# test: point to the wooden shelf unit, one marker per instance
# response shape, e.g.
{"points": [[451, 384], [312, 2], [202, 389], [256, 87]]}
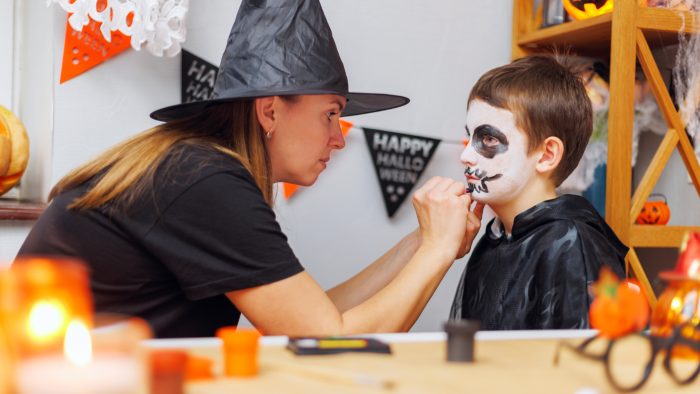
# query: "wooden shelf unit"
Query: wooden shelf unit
{"points": [[629, 33]]}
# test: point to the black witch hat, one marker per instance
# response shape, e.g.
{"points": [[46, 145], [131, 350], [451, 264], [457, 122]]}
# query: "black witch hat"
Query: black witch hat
{"points": [[282, 47]]}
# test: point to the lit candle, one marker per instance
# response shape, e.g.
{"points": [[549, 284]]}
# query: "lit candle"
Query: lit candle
{"points": [[77, 371]]}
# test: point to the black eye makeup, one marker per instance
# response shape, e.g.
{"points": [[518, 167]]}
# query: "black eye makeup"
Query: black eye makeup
{"points": [[488, 141]]}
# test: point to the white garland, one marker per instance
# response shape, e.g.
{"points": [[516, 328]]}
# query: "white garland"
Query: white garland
{"points": [[159, 25]]}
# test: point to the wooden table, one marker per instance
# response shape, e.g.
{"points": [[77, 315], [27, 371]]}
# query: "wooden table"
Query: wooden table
{"points": [[507, 362]]}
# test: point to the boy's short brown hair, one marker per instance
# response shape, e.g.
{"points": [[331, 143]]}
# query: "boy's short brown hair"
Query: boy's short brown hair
{"points": [[546, 99]]}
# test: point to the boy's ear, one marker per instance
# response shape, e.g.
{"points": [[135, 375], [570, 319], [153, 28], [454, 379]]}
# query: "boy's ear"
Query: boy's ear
{"points": [[265, 111], [552, 153]]}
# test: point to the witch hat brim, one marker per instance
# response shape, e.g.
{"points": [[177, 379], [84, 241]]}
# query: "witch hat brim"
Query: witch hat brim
{"points": [[358, 104], [278, 48]]}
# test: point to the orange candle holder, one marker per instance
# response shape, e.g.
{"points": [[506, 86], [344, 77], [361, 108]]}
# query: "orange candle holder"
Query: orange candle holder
{"points": [[240, 348], [167, 371], [679, 303], [56, 344], [40, 298]]}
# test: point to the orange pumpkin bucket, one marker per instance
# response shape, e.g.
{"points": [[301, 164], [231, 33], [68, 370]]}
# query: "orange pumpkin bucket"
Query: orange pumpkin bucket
{"points": [[583, 9], [655, 212]]}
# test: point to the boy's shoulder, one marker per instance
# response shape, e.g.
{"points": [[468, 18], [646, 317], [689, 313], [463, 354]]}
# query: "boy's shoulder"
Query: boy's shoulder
{"points": [[561, 228], [567, 229]]}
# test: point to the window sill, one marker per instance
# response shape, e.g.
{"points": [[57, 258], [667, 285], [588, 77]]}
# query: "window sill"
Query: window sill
{"points": [[20, 210]]}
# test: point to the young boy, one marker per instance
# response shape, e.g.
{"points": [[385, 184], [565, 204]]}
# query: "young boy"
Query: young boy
{"points": [[528, 124]]}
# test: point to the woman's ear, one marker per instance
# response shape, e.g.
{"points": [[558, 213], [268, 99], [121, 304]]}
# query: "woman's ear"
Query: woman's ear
{"points": [[552, 153], [265, 111]]}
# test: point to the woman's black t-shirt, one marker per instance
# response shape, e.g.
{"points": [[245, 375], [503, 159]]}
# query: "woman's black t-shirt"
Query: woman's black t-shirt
{"points": [[204, 230]]}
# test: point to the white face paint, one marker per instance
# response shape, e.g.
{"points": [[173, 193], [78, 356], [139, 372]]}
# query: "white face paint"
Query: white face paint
{"points": [[497, 165]]}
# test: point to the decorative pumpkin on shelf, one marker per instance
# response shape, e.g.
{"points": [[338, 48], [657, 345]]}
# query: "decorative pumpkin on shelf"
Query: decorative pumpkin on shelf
{"points": [[680, 302], [584, 9], [655, 212], [5, 147], [14, 150]]}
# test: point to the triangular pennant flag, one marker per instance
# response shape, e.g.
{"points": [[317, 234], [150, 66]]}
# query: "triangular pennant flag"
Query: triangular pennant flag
{"points": [[289, 190], [83, 50], [197, 78], [345, 127], [399, 160]]}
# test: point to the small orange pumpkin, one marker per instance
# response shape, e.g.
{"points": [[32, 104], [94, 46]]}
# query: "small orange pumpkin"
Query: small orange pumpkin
{"points": [[583, 9], [619, 308], [655, 212]]}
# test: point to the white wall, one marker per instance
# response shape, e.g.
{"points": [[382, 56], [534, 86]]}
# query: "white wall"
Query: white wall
{"points": [[431, 51]]}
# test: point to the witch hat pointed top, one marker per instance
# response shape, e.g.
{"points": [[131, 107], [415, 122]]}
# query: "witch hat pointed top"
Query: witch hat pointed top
{"points": [[282, 47]]}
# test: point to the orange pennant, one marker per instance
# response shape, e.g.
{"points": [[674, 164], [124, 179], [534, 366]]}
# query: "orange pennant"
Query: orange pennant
{"points": [[289, 189], [86, 49], [345, 126]]}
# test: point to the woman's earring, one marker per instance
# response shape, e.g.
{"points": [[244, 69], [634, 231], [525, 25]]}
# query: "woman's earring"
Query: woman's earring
{"points": [[268, 134]]}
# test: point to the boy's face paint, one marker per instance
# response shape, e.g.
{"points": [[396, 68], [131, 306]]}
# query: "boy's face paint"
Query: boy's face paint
{"points": [[496, 160]]}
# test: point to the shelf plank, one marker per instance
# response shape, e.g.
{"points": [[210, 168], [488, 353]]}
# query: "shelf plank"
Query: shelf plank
{"points": [[584, 36], [651, 236], [592, 36], [20, 210], [669, 21]]}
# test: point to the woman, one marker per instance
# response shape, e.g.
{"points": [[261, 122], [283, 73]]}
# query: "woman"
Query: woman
{"points": [[176, 223]]}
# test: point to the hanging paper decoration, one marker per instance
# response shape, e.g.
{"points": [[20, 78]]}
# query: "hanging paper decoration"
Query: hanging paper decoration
{"points": [[290, 188], [86, 49], [197, 78], [399, 160], [159, 25]]}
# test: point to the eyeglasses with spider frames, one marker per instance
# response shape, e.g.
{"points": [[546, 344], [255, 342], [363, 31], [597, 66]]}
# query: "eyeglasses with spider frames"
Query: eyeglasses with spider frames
{"points": [[626, 366]]}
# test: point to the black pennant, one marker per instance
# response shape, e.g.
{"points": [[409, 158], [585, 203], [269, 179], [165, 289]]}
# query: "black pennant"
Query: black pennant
{"points": [[197, 78], [399, 160]]}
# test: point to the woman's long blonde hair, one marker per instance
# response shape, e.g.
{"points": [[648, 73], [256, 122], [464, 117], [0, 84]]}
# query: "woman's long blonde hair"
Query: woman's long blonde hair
{"points": [[126, 171]]}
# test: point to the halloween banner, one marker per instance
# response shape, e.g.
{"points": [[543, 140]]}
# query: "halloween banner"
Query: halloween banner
{"points": [[399, 160], [197, 77]]}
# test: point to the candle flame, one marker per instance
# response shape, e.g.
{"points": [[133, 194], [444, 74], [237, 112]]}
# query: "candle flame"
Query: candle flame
{"points": [[676, 304], [46, 320], [77, 346]]}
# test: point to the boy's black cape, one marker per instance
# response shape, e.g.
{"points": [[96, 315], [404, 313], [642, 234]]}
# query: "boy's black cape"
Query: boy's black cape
{"points": [[538, 278]]}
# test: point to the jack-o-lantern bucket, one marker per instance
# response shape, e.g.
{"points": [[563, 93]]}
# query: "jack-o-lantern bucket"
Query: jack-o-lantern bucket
{"points": [[583, 9], [655, 211]]}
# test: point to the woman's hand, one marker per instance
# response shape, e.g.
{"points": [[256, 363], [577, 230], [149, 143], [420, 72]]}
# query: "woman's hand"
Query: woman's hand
{"points": [[442, 208]]}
